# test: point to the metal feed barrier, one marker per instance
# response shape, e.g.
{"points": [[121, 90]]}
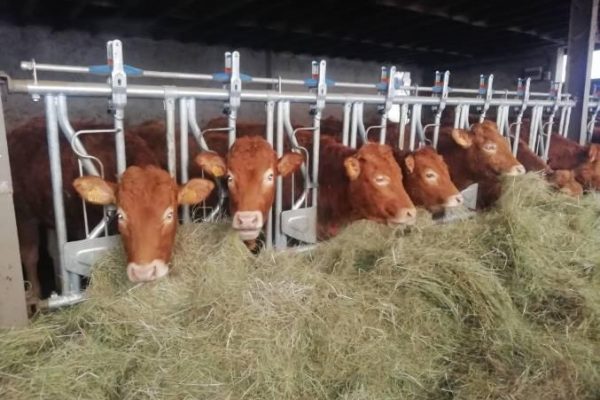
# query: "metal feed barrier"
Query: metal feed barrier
{"points": [[299, 221]]}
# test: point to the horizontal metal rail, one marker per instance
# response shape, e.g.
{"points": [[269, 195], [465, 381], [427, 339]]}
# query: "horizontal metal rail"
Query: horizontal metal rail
{"points": [[158, 92]]}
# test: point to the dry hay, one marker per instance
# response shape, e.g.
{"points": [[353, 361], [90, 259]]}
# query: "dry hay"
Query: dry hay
{"points": [[502, 306]]}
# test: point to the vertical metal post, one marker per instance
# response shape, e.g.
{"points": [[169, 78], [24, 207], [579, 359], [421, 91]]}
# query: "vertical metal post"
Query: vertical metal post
{"points": [[524, 92], [235, 91], [13, 312], [413, 126], [582, 32], [488, 98], [457, 116], [118, 82], [402, 125], [170, 117], [270, 114], [184, 152], [57, 191], [346, 128], [441, 107], [280, 240], [319, 106], [354, 125]]}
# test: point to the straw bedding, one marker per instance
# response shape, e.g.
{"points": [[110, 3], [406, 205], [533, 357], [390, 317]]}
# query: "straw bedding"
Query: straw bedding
{"points": [[502, 306]]}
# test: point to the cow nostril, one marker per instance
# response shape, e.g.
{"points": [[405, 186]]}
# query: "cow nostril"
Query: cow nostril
{"points": [[410, 213], [459, 199]]}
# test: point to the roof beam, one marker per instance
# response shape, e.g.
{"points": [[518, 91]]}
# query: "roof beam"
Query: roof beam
{"points": [[463, 19]]}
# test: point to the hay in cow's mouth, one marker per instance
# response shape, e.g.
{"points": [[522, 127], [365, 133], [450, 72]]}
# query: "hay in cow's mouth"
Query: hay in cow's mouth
{"points": [[502, 306]]}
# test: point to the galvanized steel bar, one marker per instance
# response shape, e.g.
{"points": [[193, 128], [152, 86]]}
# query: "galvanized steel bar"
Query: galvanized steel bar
{"points": [[184, 152], [346, 126], [270, 120], [170, 118], [68, 284]]}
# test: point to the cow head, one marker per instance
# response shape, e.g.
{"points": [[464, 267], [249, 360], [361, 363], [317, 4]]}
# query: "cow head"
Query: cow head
{"points": [[564, 181], [146, 200], [376, 191], [427, 180], [588, 172], [487, 153], [251, 167]]}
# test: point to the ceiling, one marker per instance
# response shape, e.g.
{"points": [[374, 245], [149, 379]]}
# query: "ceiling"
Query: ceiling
{"points": [[411, 32]]}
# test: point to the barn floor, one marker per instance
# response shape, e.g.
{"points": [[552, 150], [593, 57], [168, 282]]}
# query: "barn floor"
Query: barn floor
{"points": [[502, 306]]}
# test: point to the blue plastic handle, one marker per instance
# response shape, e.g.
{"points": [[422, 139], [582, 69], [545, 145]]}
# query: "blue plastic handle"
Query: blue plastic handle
{"points": [[312, 83], [225, 77], [107, 69]]}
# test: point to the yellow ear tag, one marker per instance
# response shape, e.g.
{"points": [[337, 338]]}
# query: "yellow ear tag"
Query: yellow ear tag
{"points": [[217, 171], [96, 195], [188, 196]]}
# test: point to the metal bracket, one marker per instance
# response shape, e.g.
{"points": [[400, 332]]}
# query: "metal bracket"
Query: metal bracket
{"points": [[300, 224], [488, 96], [118, 78], [81, 255], [470, 196]]}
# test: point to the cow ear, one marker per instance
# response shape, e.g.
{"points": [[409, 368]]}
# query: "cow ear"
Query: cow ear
{"points": [[194, 191], [462, 138], [96, 190], [409, 162], [593, 153], [211, 163], [352, 166], [289, 163]]}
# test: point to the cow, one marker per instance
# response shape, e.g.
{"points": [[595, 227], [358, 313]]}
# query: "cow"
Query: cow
{"points": [[251, 166], [34, 211], [147, 199], [477, 154], [427, 179], [563, 180], [583, 160]]}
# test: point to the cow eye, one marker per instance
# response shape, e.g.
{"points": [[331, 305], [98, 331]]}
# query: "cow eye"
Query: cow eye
{"points": [[121, 215], [430, 175], [490, 147], [269, 176], [168, 217], [230, 178], [382, 180]]}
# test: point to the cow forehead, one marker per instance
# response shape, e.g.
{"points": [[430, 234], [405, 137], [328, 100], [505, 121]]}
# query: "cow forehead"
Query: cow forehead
{"points": [[428, 158], [147, 188], [251, 154], [487, 131]]}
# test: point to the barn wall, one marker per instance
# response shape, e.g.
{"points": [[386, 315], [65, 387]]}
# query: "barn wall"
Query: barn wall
{"points": [[79, 48], [505, 70]]}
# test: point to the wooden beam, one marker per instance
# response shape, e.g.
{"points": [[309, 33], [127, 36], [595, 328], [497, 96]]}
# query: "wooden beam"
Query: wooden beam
{"points": [[13, 312]]}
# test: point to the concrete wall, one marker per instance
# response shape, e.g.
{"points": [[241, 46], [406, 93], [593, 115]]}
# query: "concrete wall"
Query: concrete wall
{"points": [[506, 70], [79, 48]]}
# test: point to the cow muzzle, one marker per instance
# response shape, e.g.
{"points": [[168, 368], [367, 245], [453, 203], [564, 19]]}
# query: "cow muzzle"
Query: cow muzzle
{"points": [[516, 170], [454, 201], [248, 224], [147, 272], [406, 216]]}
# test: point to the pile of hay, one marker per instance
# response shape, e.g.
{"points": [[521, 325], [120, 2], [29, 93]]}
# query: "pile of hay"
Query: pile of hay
{"points": [[502, 306]]}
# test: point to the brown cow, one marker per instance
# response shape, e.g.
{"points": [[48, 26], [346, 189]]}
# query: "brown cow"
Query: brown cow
{"points": [[427, 179], [32, 185], [583, 160], [147, 200], [364, 183], [477, 155], [251, 166]]}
